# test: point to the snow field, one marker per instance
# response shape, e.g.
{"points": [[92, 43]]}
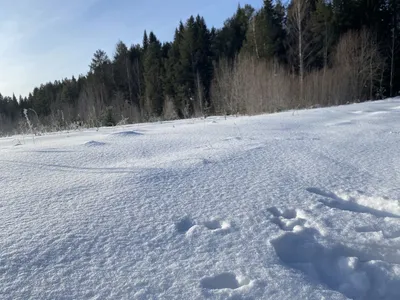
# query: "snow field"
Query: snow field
{"points": [[295, 205]]}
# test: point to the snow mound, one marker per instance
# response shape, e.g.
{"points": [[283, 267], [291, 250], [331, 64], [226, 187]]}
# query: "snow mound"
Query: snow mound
{"points": [[129, 133], [94, 144]]}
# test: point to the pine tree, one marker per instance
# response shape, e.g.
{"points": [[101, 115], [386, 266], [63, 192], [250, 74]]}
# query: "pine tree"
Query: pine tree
{"points": [[152, 77], [173, 83], [99, 61], [185, 72], [394, 48], [265, 34], [230, 39], [136, 54], [323, 35], [145, 41], [100, 78], [202, 64], [122, 72], [345, 15]]}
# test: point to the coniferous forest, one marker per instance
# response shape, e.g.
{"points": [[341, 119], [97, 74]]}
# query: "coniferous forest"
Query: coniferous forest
{"points": [[302, 54]]}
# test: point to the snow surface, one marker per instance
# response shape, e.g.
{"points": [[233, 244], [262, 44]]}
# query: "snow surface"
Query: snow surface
{"points": [[295, 205]]}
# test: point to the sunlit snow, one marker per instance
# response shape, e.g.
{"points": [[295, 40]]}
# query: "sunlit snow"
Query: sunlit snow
{"points": [[295, 205]]}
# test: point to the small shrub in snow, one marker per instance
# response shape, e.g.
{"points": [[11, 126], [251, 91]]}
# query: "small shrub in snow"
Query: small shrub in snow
{"points": [[108, 118], [123, 121], [169, 110]]}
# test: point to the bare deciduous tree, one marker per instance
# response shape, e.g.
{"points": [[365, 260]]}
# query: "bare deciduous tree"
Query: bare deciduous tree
{"points": [[251, 86], [298, 17], [358, 58]]}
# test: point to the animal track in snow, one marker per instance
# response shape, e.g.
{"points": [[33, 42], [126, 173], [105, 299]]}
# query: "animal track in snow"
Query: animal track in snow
{"points": [[378, 207], [224, 281], [336, 267], [356, 273], [217, 225], [184, 225], [390, 232], [287, 214], [287, 220], [359, 271]]}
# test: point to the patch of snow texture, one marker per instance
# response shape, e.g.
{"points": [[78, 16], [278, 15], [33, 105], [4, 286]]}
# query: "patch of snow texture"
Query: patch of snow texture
{"points": [[300, 205]]}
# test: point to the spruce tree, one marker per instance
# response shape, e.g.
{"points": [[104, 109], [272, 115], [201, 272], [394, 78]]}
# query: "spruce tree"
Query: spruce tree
{"points": [[229, 40], [173, 83], [154, 98], [324, 37], [145, 41], [122, 73], [136, 55]]}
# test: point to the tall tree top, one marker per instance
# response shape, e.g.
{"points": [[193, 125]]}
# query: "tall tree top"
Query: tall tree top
{"points": [[145, 40], [99, 59]]}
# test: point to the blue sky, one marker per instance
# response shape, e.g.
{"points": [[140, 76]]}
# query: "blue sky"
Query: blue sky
{"points": [[45, 40]]}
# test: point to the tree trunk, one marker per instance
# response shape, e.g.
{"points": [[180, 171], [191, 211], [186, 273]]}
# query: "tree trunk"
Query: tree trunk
{"points": [[254, 37], [128, 74], [199, 88]]}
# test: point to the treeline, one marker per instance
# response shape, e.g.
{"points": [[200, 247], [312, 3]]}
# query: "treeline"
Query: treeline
{"points": [[309, 52]]}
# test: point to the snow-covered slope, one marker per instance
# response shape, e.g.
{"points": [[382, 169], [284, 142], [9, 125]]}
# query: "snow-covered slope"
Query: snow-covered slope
{"points": [[295, 205]]}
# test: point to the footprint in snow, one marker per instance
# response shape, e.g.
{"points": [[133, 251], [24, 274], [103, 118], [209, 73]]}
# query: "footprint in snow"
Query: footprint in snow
{"points": [[357, 273], [217, 225], [286, 220], [358, 204], [386, 229], [184, 225], [224, 281], [338, 267]]}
